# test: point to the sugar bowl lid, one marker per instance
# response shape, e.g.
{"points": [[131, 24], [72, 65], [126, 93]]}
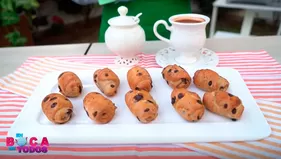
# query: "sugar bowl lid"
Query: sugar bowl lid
{"points": [[123, 19]]}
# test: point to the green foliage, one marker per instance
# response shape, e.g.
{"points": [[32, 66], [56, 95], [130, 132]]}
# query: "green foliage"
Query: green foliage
{"points": [[27, 4], [9, 16], [16, 39]]}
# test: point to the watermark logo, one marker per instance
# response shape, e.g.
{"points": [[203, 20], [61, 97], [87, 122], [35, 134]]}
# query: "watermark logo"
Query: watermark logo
{"points": [[25, 145]]}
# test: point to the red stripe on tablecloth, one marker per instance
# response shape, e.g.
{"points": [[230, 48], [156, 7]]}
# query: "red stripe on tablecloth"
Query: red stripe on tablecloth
{"points": [[10, 110]]}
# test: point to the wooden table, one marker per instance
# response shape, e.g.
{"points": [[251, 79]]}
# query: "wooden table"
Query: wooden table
{"points": [[12, 58]]}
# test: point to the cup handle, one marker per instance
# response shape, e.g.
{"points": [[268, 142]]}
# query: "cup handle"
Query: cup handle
{"points": [[157, 34]]}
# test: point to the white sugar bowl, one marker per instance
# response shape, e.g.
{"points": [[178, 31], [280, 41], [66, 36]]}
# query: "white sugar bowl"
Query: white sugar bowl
{"points": [[125, 37]]}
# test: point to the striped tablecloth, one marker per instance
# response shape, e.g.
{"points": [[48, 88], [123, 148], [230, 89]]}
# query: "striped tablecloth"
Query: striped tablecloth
{"points": [[260, 71]]}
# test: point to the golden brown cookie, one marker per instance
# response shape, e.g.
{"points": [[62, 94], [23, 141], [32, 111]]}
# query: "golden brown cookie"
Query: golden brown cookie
{"points": [[57, 108], [208, 80], [139, 79], [187, 104], [107, 81], [69, 84], [176, 76], [224, 104], [99, 108], [142, 105]]}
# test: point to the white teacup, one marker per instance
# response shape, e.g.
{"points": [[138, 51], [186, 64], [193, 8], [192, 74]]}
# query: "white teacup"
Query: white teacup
{"points": [[188, 35]]}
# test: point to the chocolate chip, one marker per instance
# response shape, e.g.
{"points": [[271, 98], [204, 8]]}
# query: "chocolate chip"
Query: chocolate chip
{"points": [[87, 113], [53, 98], [230, 95], [46, 98], [95, 114], [59, 88], [138, 118], [199, 101], [95, 76], [103, 114], [167, 82], [163, 75], [61, 74], [80, 89], [233, 111], [176, 71], [53, 105], [150, 101], [146, 110], [173, 100], [66, 99], [221, 88], [225, 106], [138, 97], [210, 83], [184, 80], [112, 86], [69, 111], [106, 74], [139, 74], [151, 85], [198, 117], [180, 95], [137, 88], [95, 81], [170, 70], [115, 92], [233, 119]]}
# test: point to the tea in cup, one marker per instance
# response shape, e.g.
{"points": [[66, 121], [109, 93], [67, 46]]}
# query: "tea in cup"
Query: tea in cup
{"points": [[188, 35]]}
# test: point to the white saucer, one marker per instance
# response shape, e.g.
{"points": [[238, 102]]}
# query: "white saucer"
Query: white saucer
{"points": [[207, 58]]}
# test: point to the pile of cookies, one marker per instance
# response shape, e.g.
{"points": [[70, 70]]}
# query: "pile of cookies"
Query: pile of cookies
{"points": [[99, 108]]}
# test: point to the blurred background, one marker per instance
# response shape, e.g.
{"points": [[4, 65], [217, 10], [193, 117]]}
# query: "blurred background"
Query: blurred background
{"points": [[49, 22]]}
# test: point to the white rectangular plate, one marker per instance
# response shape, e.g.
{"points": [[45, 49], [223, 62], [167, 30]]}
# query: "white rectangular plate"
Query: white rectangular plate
{"points": [[169, 127]]}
